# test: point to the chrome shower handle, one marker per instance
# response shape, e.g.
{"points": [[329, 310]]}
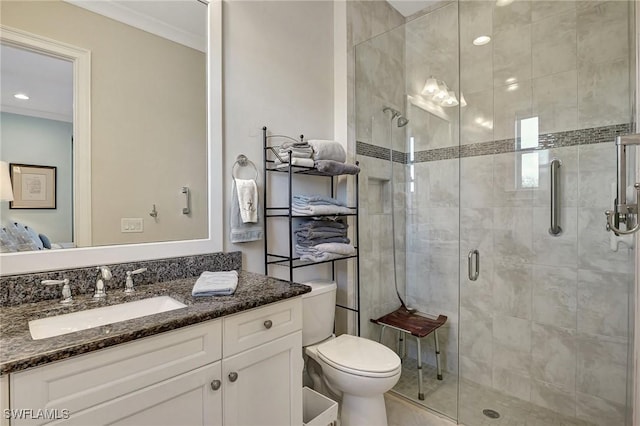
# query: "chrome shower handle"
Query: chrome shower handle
{"points": [[474, 273], [612, 215], [554, 166]]}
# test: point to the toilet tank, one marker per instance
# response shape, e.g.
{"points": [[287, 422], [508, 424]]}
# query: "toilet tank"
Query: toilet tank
{"points": [[318, 311]]}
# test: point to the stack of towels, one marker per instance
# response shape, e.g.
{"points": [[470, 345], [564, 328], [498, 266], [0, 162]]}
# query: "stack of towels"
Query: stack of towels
{"points": [[301, 153], [222, 283], [320, 240], [317, 205], [327, 156]]}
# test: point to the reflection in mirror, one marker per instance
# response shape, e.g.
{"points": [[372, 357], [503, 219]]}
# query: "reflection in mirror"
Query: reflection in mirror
{"points": [[147, 118]]}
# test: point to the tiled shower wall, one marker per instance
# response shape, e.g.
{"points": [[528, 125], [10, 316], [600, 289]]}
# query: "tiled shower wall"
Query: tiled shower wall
{"points": [[547, 319]]}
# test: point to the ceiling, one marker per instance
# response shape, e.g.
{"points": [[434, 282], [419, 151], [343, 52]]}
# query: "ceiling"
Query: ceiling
{"points": [[409, 7], [48, 81]]}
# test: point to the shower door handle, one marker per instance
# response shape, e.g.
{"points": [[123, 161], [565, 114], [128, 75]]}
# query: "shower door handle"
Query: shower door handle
{"points": [[474, 273]]}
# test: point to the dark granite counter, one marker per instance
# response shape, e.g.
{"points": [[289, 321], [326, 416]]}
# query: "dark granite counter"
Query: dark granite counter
{"points": [[18, 351]]}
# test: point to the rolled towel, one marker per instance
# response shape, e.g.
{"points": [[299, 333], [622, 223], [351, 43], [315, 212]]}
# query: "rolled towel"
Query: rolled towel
{"points": [[215, 284], [328, 150], [335, 168]]}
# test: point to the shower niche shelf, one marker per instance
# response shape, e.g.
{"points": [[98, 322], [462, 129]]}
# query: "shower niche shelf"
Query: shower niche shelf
{"points": [[287, 258]]}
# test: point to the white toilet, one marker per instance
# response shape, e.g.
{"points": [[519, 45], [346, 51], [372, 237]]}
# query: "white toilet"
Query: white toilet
{"points": [[356, 369]]}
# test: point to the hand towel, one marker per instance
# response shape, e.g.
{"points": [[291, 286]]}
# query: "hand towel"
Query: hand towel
{"points": [[335, 168], [243, 232], [215, 284], [247, 199], [328, 150]]}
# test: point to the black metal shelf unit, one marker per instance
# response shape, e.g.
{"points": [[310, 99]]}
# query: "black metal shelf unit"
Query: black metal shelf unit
{"points": [[288, 260]]}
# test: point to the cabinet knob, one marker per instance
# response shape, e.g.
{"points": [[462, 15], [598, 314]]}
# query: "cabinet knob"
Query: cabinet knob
{"points": [[268, 324], [215, 385], [233, 376]]}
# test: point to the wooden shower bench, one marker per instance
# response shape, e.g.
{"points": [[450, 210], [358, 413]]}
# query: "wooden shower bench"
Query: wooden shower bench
{"points": [[419, 326]]}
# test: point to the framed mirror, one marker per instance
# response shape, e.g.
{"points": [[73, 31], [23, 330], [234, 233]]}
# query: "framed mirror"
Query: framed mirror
{"points": [[134, 151]]}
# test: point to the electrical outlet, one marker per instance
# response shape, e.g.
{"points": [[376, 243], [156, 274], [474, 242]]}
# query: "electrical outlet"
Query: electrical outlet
{"points": [[131, 224]]}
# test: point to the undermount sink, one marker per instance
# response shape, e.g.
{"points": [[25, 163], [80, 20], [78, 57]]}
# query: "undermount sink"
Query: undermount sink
{"points": [[83, 320]]}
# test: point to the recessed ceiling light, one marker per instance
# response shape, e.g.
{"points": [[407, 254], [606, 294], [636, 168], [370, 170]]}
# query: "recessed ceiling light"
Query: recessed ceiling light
{"points": [[482, 40], [501, 3], [510, 80], [21, 96]]}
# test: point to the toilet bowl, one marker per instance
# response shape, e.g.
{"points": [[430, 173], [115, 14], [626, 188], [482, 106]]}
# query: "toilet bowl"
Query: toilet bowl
{"points": [[356, 369]]}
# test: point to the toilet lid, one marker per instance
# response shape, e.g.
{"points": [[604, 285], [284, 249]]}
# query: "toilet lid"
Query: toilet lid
{"points": [[359, 356]]}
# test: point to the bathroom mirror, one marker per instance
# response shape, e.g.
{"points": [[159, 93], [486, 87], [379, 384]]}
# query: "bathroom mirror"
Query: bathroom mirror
{"points": [[172, 162]]}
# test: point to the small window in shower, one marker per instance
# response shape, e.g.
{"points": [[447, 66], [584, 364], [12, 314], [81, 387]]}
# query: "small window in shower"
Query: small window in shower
{"points": [[527, 167]]}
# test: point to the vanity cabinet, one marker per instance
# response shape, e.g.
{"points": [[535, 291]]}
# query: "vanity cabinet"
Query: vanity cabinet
{"points": [[182, 377]]}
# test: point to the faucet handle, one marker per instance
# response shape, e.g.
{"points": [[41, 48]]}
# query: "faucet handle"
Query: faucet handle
{"points": [[128, 287], [67, 299], [105, 272]]}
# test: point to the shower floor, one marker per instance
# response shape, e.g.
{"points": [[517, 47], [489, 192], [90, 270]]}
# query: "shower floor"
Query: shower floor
{"points": [[442, 395]]}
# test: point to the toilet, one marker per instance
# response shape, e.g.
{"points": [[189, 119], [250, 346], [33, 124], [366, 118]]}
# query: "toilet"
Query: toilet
{"points": [[354, 369]]}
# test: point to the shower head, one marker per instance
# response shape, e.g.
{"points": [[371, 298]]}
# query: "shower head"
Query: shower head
{"points": [[394, 112], [402, 121]]}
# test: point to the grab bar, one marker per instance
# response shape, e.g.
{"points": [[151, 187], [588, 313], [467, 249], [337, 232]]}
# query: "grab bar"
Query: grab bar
{"points": [[473, 275], [555, 228]]}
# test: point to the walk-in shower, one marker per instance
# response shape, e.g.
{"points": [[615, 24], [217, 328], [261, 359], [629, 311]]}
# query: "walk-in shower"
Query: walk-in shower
{"points": [[457, 144]]}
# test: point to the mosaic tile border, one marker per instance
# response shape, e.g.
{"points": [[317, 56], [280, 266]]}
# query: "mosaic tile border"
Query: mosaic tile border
{"points": [[18, 289], [546, 141]]}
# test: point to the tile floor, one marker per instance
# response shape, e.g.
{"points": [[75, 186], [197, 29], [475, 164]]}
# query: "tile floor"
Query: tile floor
{"points": [[441, 397]]}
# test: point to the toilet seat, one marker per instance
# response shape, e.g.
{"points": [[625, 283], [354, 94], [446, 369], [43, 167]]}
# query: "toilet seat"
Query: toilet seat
{"points": [[359, 356]]}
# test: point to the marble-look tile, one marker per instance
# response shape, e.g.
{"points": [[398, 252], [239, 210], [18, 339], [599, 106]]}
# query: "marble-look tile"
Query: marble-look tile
{"points": [[511, 15], [476, 119], [597, 175], [512, 383], [507, 191], [551, 397], [555, 296], [511, 104], [603, 93], [476, 63], [553, 356], [512, 236], [512, 290], [383, 17], [476, 331], [599, 411], [430, 131], [555, 101], [476, 174], [553, 43], [555, 250], [443, 183], [602, 30], [594, 250], [358, 22], [402, 413], [512, 56], [602, 367], [544, 9], [511, 332], [603, 299], [475, 371], [516, 360]]}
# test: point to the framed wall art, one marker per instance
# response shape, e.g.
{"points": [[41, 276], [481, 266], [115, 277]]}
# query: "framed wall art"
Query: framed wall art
{"points": [[34, 187]]}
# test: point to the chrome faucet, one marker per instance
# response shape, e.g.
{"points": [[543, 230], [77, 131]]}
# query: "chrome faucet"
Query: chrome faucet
{"points": [[128, 286], [67, 299], [104, 275]]}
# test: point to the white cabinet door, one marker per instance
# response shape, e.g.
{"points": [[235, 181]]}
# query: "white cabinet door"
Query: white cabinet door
{"points": [[186, 400], [263, 386]]}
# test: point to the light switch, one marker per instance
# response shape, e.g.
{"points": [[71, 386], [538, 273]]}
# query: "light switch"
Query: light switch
{"points": [[131, 224]]}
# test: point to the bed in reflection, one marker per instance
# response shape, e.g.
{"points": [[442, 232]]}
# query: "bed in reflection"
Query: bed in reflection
{"points": [[16, 236]]}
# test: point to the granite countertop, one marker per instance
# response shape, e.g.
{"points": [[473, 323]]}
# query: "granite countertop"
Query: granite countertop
{"points": [[18, 351]]}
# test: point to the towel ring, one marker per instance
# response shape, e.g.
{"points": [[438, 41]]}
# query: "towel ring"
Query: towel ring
{"points": [[243, 161]]}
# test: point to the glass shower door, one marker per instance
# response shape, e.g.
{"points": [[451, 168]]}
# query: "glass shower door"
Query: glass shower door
{"points": [[544, 329]]}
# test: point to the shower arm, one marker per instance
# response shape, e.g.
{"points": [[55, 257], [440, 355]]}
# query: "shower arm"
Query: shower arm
{"points": [[622, 211]]}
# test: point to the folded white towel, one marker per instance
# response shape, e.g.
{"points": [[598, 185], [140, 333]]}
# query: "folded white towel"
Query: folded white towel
{"points": [[248, 200], [215, 284], [337, 248], [328, 150], [317, 210], [295, 161]]}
